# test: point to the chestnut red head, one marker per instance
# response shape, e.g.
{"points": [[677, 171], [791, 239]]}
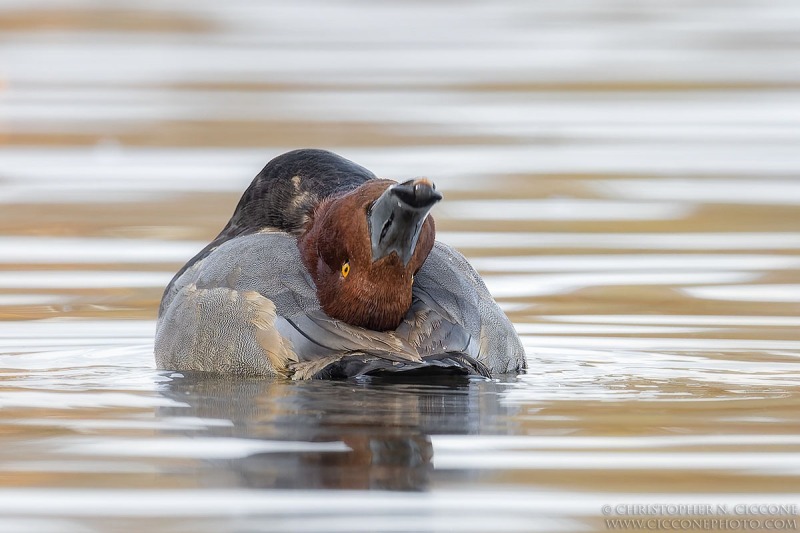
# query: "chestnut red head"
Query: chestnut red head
{"points": [[362, 250]]}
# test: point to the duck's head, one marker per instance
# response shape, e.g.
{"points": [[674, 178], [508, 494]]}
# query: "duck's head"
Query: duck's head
{"points": [[363, 249]]}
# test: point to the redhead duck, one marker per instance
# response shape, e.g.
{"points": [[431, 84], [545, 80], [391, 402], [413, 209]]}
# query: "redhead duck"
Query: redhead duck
{"points": [[326, 271]]}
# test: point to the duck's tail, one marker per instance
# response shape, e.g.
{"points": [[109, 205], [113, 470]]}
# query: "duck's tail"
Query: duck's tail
{"points": [[363, 364]]}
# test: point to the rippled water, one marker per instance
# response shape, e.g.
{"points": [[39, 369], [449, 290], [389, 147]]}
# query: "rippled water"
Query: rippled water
{"points": [[625, 175]]}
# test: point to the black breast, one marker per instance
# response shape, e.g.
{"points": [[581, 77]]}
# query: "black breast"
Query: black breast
{"points": [[284, 193]]}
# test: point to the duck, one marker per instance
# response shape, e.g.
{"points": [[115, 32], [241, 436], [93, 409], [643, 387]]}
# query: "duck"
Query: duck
{"points": [[325, 271]]}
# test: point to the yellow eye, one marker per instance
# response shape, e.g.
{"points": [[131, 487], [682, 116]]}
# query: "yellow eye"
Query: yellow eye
{"points": [[346, 268]]}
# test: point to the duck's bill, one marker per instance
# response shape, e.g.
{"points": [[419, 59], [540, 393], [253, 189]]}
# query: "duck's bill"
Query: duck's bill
{"points": [[396, 217]]}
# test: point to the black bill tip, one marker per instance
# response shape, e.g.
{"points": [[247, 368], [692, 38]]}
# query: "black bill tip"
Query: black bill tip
{"points": [[417, 193]]}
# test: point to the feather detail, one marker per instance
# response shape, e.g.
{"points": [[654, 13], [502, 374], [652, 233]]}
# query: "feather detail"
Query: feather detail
{"points": [[262, 315]]}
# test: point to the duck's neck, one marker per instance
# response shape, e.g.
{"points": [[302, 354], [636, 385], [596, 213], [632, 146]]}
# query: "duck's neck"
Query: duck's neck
{"points": [[374, 295]]}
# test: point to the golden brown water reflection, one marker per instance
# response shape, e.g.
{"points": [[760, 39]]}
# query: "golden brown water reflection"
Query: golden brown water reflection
{"points": [[624, 175]]}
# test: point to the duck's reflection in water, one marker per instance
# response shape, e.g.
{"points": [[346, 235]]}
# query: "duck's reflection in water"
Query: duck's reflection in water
{"points": [[386, 426]]}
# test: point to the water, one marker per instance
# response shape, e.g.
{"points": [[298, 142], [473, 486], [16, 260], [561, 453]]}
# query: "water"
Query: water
{"points": [[623, 174]]}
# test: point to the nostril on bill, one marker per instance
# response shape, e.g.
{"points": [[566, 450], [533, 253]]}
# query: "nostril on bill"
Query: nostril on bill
{"points": [[386, 227]]}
